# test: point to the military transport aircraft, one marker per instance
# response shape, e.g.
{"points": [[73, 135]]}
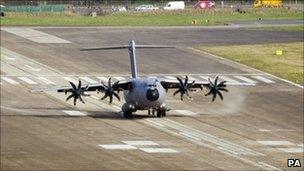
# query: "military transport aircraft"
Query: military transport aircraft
{"points": [[142, 93]]}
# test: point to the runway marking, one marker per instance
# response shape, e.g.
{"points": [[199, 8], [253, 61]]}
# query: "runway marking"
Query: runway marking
{"points": [[32, 68], [9, 80], [265, 80], [119, 78], [69, 79], [74, 113], [273, 143], [45, 80], [191, 78], [155, 123], [104, 79], [229, 80], [189, 136], [292, 150], [300, 145], [89, 80], [10, 58], [170, 77], [158, 150], [245, 79], [27, 80], [94, 97], [204, 77], [229, 151], [140, 143], [277, 130], [175, 128], [269, 167], [117, 146], [185, 112], [34, 35]]}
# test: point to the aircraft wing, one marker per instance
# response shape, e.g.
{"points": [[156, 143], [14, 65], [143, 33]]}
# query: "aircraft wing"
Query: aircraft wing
{"points": [[174, 84], [183, 87], [86, 87]]}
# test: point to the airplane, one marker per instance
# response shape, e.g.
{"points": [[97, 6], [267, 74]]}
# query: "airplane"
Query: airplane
{"points": [[146, 93]]}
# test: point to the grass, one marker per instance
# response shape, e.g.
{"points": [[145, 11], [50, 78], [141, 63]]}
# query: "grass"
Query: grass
{"points": [[288, 66], [280, 28], [155, 18]]}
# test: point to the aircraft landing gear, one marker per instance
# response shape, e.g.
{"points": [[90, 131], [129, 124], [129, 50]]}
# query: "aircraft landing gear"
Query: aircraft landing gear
{"points": [[161, 113], [127, 114]]}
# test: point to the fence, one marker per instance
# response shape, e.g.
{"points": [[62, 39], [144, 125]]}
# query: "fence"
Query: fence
{"points": [[91, 5]]}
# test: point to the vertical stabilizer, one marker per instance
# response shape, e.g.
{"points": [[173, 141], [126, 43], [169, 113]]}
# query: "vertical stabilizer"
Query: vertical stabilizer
{"points": [[133, 58]]}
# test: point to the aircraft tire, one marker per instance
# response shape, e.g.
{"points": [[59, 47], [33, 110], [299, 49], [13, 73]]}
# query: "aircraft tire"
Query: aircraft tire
{"points": [[127, 114], [161, 113]]}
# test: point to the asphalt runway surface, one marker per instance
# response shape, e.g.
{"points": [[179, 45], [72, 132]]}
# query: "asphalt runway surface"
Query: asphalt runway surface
{"points": [[254, 128]]}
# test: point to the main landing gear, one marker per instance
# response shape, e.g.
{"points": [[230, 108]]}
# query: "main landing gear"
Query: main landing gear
{"points": [[159, 113]]}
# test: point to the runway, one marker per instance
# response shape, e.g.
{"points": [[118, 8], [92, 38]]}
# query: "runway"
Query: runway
{"points": [[254, 128]]}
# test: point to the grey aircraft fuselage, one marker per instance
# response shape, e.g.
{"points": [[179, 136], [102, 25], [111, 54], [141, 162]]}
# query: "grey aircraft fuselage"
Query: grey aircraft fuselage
{"points": [[145, 93]]}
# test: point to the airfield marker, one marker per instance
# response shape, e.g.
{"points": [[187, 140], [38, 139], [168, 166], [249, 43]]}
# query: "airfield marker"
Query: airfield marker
{"points": [[9, 80], [27, 80], [265, 80]]}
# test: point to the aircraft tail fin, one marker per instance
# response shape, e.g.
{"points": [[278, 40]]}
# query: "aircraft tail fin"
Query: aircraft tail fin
{"points": [[131, 46]]}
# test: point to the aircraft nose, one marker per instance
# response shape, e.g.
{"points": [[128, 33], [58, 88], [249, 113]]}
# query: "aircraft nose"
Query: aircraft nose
{"points": [[152, 95]]}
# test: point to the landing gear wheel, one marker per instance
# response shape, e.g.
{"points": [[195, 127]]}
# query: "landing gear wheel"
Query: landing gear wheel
{"points": [[127, 114], [161, 113]]}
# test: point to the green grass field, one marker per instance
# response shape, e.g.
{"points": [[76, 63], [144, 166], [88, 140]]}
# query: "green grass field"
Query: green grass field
{"points": [[263, 57], [159, 18]]}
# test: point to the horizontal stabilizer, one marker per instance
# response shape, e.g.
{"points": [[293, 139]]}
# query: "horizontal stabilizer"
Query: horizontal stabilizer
{"points": [[128, 46]]}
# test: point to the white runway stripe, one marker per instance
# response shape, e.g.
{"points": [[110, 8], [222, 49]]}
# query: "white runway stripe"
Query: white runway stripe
{"points": [[204, 77], [34, 35], [104, 79], [269, 167], [275, 142], [70, 79], [292, 150], [140, 143], [228, 79], [117, 146], [120, 78], [27, 80], [263, 79], [74, 113], [158, 150], [89, 80], [245, 79], [185, 112], [9, 80], [45, 80], [170, 77]]}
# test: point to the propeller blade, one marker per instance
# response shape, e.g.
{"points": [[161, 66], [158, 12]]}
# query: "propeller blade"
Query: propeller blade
{"points": [[223, 89], [180, 81], [105, 96], [220, 94], [186, 81], [111, 98], [80, 98], [75, 99], [73, 86], [177, 91], [116, 95], [79, 85], [70, 96]]}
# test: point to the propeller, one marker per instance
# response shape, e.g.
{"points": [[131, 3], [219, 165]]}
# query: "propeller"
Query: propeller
{"points": [[77, 92], [215, 88], [108, 90], [184, 88]]}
